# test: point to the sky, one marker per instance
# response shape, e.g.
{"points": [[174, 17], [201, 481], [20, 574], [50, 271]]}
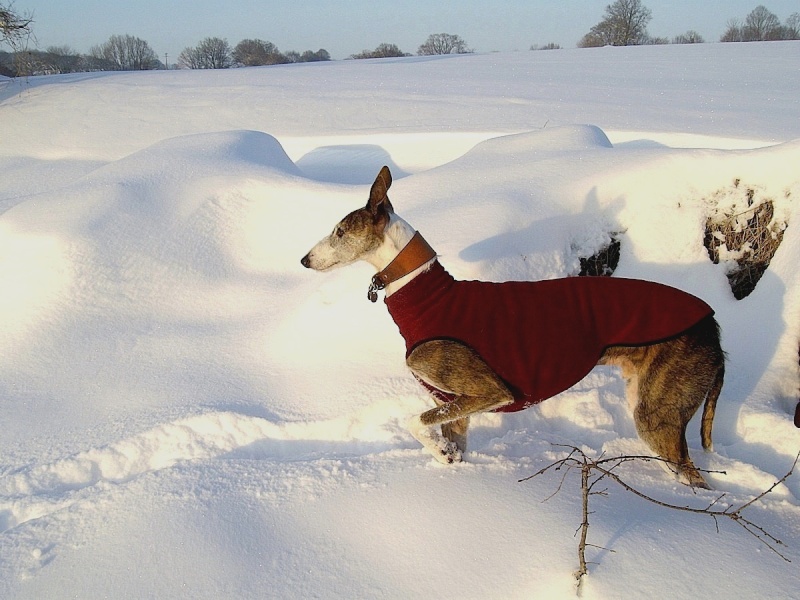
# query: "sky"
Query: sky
{"points": [[347, 27]]}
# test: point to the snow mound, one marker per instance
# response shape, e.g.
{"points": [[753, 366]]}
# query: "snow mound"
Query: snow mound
{"points": [[529, 147], [195, 156], [564, 138]]}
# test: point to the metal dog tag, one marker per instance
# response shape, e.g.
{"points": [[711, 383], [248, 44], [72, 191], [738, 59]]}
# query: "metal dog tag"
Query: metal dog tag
{"points": [[375, 285]]}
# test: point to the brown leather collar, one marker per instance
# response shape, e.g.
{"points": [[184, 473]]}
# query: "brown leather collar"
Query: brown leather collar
{"points": [[415, 254]]}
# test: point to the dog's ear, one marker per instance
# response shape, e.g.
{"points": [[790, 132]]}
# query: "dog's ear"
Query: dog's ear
{"points": [[378, 198], [386, 176]]}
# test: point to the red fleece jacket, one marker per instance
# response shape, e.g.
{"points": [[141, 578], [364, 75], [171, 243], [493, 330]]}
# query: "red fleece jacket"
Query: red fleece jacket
{"points": [[540, 337]]}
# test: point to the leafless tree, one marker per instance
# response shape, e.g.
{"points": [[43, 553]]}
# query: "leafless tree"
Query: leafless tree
{"points": [[189, 58], [792, 26], [733, 32], [15, 32], [690, 37], [15, 28], [549, 46], [255, 53], [761, 25], [443, 43], [321, 55], [126, 53], [53, 61], [382, 51], [65, 59], [211, 53], [624, 24]]}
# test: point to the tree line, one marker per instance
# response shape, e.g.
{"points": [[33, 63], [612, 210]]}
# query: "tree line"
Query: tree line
{"points": [[216, 53], [130, 53], [437, 43], [624, 24]]}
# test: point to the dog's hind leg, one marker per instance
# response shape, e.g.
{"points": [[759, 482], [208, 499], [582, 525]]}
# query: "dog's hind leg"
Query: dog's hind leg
{"points": [[458, 370], [667, 383], [671, 389]]}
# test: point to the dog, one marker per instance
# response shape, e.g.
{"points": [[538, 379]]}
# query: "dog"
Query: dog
{"points": [[473, 360]]}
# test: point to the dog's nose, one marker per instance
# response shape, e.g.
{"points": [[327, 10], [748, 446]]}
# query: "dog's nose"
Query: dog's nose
{"points": [[306, 262]]}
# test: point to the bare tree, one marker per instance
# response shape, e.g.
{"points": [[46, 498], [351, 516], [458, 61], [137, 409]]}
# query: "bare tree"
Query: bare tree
{"points": [[211, 53], [53, 61], [382, 51], [624, 24], [15, 32], [293, 56], [255, 53], [320, 55], [15, 28], [761, 25], [189, 58], [690, 37], [792, 26], [443, 43], [734, 32], [126, 53], [65, 59], [549, 46]]}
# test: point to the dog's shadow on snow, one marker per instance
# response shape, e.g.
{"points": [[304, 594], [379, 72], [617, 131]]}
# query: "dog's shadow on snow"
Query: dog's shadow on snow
{"points": [[555, 234]]}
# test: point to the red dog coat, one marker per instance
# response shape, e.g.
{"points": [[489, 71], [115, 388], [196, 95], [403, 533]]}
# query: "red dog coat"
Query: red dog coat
{"points": [[540, 337]]}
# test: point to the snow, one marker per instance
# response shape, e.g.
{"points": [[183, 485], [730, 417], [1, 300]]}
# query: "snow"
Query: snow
{"points": [[187, 412]]}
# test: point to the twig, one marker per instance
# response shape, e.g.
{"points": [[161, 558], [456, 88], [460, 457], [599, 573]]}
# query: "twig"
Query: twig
{"points": [[577, 459]]}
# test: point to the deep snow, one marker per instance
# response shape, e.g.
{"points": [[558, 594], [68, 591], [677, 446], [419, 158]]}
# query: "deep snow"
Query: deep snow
{"points": [[187, 412]]}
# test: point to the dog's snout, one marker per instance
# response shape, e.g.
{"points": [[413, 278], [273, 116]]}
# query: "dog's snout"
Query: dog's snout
{"points": [[306, 262]]}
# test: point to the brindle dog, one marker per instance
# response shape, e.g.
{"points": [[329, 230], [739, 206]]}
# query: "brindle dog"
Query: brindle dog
{"points": [[666, 382]]}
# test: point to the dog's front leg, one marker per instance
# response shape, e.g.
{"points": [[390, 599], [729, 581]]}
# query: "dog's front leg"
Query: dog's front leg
{"points": [[454, 368]]}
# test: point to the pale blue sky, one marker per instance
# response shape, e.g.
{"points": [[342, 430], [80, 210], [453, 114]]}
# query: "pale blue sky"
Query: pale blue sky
{"points": [[346, 27]]}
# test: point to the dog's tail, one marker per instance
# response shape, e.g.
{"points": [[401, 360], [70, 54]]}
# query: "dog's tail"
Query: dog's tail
{"points": [[710, 408]]}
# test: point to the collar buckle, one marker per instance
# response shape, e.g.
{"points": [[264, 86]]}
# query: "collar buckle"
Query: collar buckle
{"points": [[415, 254]]}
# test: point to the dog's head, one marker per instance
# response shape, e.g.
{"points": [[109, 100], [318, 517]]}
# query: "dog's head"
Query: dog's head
{"points": [[358, 234]]}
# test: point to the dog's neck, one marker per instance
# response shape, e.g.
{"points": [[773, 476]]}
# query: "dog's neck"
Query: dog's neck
{"points": [[396, 237]]}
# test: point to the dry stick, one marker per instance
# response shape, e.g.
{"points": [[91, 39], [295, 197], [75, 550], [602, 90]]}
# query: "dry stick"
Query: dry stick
{"points": [[588, 465], [582, 570]]}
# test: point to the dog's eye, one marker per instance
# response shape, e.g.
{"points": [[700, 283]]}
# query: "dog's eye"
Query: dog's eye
{"points": [[339, 232]]}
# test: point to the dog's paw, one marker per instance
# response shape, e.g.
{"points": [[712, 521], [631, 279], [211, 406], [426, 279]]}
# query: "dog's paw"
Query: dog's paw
{"points": [[450, 453], [442, 449]]}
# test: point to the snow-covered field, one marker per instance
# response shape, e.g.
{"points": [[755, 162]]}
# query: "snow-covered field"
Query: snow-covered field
{"points": [[187, 412]]}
